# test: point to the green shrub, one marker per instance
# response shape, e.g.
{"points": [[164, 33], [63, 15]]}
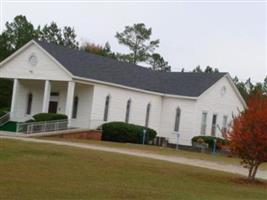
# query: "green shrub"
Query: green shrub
{"points": [[48, 117], [29, 121], [123, 132], [210, 141]]}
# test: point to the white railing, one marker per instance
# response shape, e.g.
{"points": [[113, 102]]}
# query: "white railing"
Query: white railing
{"points": [[38, 127], [4, 119]]}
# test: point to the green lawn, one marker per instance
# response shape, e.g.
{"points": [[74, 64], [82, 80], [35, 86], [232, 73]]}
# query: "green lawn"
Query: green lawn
{"points": [[43, 171], [9, 126], [160, 150]]}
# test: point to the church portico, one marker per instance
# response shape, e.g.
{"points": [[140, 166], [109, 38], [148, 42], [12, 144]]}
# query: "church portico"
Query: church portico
{"points": [[45, 96]]}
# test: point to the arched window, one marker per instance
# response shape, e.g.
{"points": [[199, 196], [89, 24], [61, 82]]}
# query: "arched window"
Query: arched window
{"points": [[75, 107], [177, 119], [128, 107], [106, 108], [147, 114], [29, 104]]}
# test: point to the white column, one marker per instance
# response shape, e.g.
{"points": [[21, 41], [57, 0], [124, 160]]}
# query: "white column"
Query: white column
{"points": [[46, 99], [14, 99], [69, 99]]}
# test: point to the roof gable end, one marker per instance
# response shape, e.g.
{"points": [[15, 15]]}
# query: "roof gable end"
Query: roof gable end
{"points": [[33, 62]]}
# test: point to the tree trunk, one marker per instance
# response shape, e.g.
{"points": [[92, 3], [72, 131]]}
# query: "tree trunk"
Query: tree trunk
{"points": [[255, 171], [250, 172], [135, 57]]}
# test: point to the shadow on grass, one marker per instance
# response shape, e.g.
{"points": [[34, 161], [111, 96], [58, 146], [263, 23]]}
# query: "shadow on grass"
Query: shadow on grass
{"points": [[246, 182]]}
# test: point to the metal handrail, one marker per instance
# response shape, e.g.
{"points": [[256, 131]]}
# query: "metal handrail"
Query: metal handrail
{"points": [[45, 126], [4, 119], [42, 122]]}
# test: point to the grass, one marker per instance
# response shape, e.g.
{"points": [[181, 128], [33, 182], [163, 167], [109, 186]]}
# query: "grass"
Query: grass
{"points": [[43, 171], [159, 150], [9, 126]]}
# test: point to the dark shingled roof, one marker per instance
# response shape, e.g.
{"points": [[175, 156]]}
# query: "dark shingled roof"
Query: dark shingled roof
{"points": [[100, 68]]}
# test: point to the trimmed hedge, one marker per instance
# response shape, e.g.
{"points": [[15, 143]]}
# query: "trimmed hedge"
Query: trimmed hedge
{"points": [[123, 132], [48, 117], [210, 141]]}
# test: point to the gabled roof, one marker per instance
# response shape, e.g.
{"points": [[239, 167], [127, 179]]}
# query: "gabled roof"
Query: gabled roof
{"points": [[91, 66]]}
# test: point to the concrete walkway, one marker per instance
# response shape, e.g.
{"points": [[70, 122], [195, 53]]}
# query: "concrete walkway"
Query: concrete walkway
{"points": [[174, 159]]}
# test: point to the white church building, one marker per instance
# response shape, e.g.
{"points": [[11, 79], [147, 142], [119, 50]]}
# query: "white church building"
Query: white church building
{"points": [[92, 90]]}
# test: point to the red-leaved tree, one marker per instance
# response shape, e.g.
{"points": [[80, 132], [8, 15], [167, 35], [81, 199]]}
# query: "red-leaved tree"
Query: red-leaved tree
{"points": [[248, 134]]}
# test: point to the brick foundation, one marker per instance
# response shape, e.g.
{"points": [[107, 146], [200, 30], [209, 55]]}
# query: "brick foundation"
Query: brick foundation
{"points": [[89, 135]]}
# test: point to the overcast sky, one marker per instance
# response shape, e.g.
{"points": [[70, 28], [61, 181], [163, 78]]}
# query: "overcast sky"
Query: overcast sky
{"points": [[229, 36]]}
